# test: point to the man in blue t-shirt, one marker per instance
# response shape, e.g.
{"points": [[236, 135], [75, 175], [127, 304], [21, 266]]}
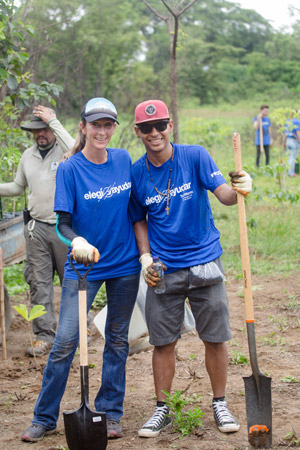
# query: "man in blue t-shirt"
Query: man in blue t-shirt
{"points": [[292, 143], [262, 126], [173, 220]]}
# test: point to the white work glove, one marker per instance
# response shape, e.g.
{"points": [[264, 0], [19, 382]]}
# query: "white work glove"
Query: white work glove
{"points": [[241, 182], [146, 260], [83, 252]]}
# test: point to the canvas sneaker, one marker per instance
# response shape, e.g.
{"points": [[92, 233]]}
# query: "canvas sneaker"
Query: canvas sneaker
{"points": [[156, 423], [39, 347], [223, 417], [35, 433], [114, 429]]}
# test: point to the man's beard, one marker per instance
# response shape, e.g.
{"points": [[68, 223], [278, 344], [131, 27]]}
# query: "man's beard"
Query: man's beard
{"points": [[46, 145]]}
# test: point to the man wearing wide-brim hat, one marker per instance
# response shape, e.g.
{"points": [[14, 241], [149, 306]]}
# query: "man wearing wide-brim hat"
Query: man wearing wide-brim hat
{"points": [[45, 252]]}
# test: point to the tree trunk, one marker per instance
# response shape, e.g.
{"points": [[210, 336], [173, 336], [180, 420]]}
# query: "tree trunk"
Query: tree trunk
{"points": [[174, 105]]}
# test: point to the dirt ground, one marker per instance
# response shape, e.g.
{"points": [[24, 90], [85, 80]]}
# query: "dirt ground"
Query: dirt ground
{"points": [[277, 306]]}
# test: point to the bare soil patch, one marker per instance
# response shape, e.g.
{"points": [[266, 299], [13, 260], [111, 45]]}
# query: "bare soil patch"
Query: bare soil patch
{"points": [[276, 301]]}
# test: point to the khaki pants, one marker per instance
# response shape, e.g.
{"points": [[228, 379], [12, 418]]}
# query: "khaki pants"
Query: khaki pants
{"points": [[46, 254]]}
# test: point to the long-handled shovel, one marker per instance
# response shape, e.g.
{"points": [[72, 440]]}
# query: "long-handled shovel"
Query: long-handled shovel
{"points": [[85, 429], [257, 386]]}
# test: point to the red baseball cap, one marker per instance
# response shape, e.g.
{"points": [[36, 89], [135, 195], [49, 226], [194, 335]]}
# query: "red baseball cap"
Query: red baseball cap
{"points": [[151, 110]]}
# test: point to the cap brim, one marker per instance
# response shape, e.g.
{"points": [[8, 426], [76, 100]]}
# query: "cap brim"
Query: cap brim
{"points": [[151, 119], [29, 126], [98, 116]]}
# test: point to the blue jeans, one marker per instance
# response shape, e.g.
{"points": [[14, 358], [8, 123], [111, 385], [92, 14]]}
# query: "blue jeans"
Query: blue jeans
{"points": [[121, 296], [292, 147]]}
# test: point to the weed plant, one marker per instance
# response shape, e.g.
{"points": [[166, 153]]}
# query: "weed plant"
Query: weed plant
{"points": [[238, 358], [184, 421]]}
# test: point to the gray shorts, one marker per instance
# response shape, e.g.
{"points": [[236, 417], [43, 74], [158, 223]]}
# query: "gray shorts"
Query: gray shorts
{"points": [[209, 305]]}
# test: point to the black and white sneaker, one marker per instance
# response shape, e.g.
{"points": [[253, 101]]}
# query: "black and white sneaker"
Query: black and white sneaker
{"points": [[156, 423], [223, 417]]}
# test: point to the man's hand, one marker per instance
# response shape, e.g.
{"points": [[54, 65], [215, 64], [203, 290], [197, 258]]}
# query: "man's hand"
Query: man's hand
{"points": [[150, 275], [241, 182], [46, 114], [146, 260], [83, 252]]}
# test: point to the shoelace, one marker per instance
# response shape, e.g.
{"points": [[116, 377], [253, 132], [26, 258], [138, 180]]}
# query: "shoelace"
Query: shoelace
{"points": [[222, 412], [158, 417]]}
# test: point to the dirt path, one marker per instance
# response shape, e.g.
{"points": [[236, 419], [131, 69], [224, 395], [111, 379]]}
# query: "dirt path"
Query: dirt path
{"points": [[277, 306]]}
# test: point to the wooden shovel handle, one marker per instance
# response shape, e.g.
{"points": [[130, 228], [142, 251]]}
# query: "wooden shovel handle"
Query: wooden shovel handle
{"points": [[243, 235], [261, 139], [83, 328], [2, 308]]}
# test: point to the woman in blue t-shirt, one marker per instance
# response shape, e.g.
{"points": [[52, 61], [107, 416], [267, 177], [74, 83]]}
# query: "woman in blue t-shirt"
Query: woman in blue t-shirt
{"points": [[91, 200]]}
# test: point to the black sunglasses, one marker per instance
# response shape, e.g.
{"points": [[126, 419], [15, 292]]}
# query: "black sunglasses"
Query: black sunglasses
{"points": [[159, 126]]}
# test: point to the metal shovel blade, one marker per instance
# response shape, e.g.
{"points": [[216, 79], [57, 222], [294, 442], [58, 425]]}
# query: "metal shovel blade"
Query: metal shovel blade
{"points": [[85, 429], [259, 410]]}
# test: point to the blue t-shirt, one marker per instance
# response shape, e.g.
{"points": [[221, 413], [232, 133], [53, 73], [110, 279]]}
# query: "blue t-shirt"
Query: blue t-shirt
{"points": [[291, 128], [187, 236], [97, 196], [266, 123]]}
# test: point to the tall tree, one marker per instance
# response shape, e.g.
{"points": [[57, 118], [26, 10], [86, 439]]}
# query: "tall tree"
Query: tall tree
{"points": [[172, 21]]}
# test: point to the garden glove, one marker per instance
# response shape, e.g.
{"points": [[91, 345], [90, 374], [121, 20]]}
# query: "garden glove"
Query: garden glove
{"points": [[146, 260], [150, 275], [83, 252], [241, 182]]}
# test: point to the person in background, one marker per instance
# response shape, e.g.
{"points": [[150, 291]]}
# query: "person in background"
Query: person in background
{"points": [[173, 220], [292, 143], [262, 124], [45, 251], [92, 194]]}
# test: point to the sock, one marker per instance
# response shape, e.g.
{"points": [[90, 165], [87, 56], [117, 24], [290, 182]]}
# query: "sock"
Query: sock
{"points": [[219, 399], [160, 404]]}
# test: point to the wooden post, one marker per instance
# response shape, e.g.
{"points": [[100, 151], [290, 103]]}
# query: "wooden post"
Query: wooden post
{"points": [[2, 307]]}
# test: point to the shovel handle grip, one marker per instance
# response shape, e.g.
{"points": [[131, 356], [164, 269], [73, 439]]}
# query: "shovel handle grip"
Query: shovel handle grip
{"points": [[82, 285], [243, 235]]}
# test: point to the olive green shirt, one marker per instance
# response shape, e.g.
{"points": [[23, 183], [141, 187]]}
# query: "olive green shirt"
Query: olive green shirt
{"points": [[39, 174]]}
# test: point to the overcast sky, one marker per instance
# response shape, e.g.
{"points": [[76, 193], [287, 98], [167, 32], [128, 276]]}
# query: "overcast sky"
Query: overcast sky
{"points": [[274, 11]]}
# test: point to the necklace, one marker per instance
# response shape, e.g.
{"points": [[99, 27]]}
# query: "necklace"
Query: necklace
{"points": [[169, 181]]}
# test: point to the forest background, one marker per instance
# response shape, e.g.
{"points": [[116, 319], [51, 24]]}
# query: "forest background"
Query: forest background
{"points": [[120, 50]]}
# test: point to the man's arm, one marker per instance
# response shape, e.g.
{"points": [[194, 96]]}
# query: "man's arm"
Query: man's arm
{"points": [[11, 189], [141, 236], [49, 117], [256, 122], [226, 195]]}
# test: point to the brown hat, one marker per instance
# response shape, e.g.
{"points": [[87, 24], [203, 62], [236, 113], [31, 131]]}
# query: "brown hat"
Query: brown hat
{"points": [[35, 123]]}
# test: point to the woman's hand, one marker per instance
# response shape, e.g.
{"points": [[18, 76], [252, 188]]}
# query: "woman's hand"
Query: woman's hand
{"points": [[83, 252]]}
